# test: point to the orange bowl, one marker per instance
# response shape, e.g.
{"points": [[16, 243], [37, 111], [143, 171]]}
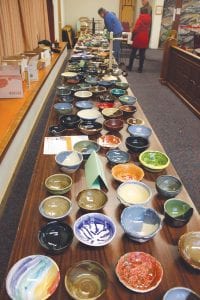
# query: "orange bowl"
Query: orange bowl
{"points": [[125, 172]]}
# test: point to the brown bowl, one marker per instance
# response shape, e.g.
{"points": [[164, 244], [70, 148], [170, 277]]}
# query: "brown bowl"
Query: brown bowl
{"points": [[112, 113], [127, 110], [113, 124]]}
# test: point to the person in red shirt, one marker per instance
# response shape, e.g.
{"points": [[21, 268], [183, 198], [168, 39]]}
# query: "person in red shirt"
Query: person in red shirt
{"points": [[140, 38]]}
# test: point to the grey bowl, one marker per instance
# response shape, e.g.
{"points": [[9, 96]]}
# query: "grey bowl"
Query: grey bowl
{"points": [[168, 186], [180, 293]]}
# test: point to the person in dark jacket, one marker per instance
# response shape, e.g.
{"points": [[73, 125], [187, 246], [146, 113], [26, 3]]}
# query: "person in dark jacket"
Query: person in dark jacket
{"points": [[112, 24], [140, 38]]}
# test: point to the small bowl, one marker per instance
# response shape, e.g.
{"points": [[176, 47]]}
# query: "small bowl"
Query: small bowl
{"points": [[134, 121], [140, 131], [116, 156], [113, 124], [117, 92], [109, 141], [91, 80], [55, 236], [94, 229], [122, 85], [62, 90], [127, 172], [89, 114], [84, 104], [102, 105], [86, 148], [134, 192], [90, 128], [168, 186], [83, 94], [84, 86], [58, 184], [69, 74], [107, 98], [91, 199], [180, 293], [128, 110], [86, 279], [154, 161], [55, 207], [57, 130], [138, 264], [112, 113], [63, 108], [70, 121], [177, 212], [136, 144], [139, 223], [69, 161], [105, 83], [189, 248], [66, 98], [130, 100], [98, 89]]}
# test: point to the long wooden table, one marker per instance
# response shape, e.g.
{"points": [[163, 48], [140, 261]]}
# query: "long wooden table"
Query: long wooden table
{"points": [[163, 246]]}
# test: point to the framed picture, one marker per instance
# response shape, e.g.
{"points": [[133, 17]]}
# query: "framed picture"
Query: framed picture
{"points": [[159, 10]]}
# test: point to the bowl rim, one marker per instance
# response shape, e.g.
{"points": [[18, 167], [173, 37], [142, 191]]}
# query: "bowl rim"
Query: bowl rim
{"points": [[136, 137], [119, 150], [181, 202], [91, 130], [135, 134], [92, 210], [178, 288], [69, 151], [55, 196], [128, 96], [151, 166], [83, 111], [130, 164], [171, 177], [90, 142], [69, 74], [58, 174], [78, 94]]}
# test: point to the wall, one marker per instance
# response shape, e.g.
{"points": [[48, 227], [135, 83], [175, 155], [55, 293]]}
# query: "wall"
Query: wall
{"points": [[156, 25]]}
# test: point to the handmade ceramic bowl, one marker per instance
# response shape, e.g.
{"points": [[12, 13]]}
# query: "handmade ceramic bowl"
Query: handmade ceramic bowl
{"points": [[90, 128], [83, 94], [107, 98], [57, 130], [69, 74], [122, 85], [128, 110], [139, 223], [58, 184], [92, 199], [177, 212], [63, 90], [105, 83], [63, 108], [89, 114], [102, 105], [154, 161], [94, 229], [134, 121], [189, 248], [117, 92], [19, 281], [55, 236], [66, 98], [86, 279], [136, 143], [91, 80], [143, 266], [168, 186], [134, 192], [130, 100], [84, 104], [84, 86], [69, 161], [109, 141], [180, 293], [70, 121], [112, 113], [86, 148], [98, 89], [127, 172], [116, 156], [140, 130], [55, 207], [113, 124]]}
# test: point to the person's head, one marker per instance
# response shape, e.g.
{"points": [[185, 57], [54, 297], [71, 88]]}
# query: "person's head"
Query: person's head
{"points": [[144, 10], [145, 2], [102, 11]]}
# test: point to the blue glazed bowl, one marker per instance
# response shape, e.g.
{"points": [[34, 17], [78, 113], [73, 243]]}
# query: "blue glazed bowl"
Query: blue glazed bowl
{"points": [[180, 293], [105, 83], [168, 186], [128, 99], [140, 130], [139, 223], [86, 148], [117, 92], [63, 108], [69, 161], [116, 156], [94, 229], [84, 104]]}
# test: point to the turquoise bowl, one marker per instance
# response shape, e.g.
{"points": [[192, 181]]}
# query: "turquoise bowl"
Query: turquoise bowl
{"points": [[117, 92], [127, 99]]}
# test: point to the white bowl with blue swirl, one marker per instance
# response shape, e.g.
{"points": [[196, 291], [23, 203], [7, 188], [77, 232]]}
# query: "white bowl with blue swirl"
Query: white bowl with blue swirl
{"points": [[94, 229]]}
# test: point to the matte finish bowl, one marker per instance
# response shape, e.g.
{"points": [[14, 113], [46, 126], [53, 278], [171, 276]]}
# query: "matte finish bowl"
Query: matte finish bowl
{"points": [[55, 207], [112, 113], [116, 156], [86, 279], [92, 199], [89, 114], [70, 121], [140, 130], [113, 124], [136, 144], [69, 161], [86, 148], [63, 108], [58, 184], [90, 128], [55, 236], [180, 293], [177, 212], [66, 98], [130, 100], [83, 94], [84, 104], [109, 141], [168, 186], [94, 229], [154, 161], [139, 223], [57, 130], [117, 92], [122, 85], [127, 172]]}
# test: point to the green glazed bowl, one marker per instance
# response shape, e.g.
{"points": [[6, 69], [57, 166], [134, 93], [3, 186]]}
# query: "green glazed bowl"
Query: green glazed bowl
{"points": [[154, 161], [58, 184], [92, 199], [122, 85]]}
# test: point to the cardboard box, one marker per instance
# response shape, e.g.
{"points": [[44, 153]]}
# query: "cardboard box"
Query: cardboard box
{"points": [[11, 82]]}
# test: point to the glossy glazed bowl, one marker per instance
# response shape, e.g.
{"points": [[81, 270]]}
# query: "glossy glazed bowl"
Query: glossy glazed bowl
{"points": [[69, 161], [86, 148], [58, 184], [168, 186], [98, 89], [109, 141], [116, 156], [94, 229], [105, 83], [177, 212], [84, 86], [117, 92], [69, 74], [57, 130], [89, 114], [25, 271], [134, 192], [90, 128], [66, 98], [134, 121], [63, 108], [128, 110], [136, 144], [63, 90], [189, 248], [139, 223], [107, 98], [55, 236], [84, 104], [113, 124], [130, 100], [91, 199], [91, 80], [127, 172], [102, 105], [70, 121], [122, 85], [140, 131], [86, 279], [180, 293], [147, 271], [154, 161], [112, 113], [55, 207], [83, 94]]}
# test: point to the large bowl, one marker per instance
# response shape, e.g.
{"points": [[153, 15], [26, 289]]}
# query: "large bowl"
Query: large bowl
{"points": [[116, 156], [94, 229], [90, 128], [112, 113], [139, 223], [86, 148], [136, 144], [117, 92], [55, 207], [89, 114], [168, 186], [177, 212], [83, 94], [113, 124], [69, 161], [140, 131], [63, 108], [109, 141], [58, 184], [70, 121], [86, 279], [180, 293], [134, 192], [127, 172], [35, 277], [139, 272], [92, 199], [130, 100], [154, 161], [55, 236]]}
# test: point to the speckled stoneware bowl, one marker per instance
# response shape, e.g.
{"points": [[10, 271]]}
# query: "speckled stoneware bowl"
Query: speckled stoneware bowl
{"points": [[168, 186], [91, 199], [58, 184]]}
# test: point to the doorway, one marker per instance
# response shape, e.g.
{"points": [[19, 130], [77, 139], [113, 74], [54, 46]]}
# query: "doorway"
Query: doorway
{"points": [[127, 12]]}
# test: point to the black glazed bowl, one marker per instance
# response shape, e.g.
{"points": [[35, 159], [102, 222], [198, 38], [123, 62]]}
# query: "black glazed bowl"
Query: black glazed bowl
{"points": [[90, 128], [136, 144], [168, 186], [55, 236], [69, 121], [57, 130]]}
